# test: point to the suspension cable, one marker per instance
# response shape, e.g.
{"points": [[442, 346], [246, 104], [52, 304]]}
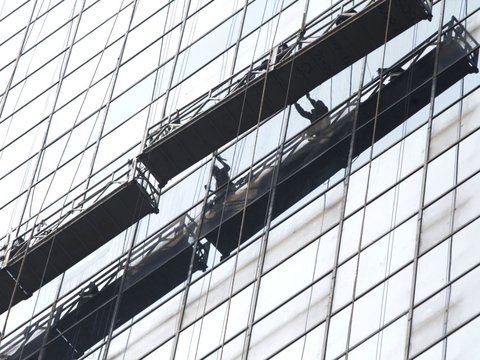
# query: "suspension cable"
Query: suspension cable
{"points": [[424, 182], [348, 171]]}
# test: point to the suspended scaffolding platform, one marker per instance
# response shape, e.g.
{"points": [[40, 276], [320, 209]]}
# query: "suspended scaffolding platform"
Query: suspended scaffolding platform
{"points": [[320, 154], [172, 149], [161, 265], [56, 249]]}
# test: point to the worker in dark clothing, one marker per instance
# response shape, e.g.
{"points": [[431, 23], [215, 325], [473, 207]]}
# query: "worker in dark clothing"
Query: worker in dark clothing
{"points": [[319, 109], [251, 74], [221, 174], [88, 293], [17, 245], [172, 124], [394, 73], [282, 52], [345, 16], [3, 252]]}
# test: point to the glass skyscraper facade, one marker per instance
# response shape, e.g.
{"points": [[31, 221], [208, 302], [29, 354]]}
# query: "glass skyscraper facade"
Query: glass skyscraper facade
{"points": [[239, 179]]}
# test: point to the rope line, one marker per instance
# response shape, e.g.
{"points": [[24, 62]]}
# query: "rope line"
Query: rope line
{"points": [[423, 183]]}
